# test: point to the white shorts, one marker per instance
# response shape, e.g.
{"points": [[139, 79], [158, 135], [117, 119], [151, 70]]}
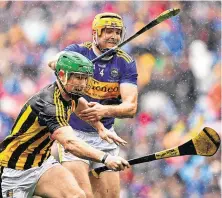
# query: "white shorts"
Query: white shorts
{"points": [[22, 183], [93, 140]]}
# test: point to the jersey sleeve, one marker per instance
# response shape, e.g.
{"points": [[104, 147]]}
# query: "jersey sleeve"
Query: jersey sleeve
{"points": [[53, 115], [73, 48], [128, 73]]}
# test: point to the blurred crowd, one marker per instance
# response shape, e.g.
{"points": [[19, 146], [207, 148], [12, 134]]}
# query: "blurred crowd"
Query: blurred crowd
{"points": [[178, 62]]}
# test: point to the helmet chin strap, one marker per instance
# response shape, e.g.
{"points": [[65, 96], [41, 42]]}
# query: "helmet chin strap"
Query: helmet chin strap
{"points": [[97, 43], [71, 95]]}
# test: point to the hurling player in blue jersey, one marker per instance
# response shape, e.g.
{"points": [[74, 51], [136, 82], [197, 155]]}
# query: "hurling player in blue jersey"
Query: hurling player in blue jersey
{"points": [[111, 93]]}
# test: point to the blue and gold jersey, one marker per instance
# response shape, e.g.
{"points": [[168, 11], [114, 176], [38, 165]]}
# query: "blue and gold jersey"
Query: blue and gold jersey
{"points": [[104, 86]]}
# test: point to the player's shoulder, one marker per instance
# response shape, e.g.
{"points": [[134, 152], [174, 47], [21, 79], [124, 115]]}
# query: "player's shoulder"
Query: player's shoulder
{"points": [[87, 44], [80, 48], [49, 94], [123, 55]]}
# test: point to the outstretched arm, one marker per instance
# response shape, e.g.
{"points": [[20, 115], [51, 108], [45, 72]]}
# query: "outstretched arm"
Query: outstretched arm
{"points": [[74, 145], [102, 131]]}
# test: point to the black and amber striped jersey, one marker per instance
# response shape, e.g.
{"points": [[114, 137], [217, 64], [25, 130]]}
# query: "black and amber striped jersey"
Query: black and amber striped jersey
{"points": [[29, 143]]}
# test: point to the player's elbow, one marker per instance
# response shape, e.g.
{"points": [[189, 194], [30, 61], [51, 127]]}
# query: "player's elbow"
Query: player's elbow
{"points": [[132, 115], [133, 111]]}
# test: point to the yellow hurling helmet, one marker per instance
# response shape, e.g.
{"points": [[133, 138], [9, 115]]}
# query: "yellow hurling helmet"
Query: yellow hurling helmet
{"points": [[107, 20]]}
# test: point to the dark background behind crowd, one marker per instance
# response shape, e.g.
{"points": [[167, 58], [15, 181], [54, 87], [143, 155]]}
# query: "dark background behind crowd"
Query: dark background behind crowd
{"points": [[179, 63]]}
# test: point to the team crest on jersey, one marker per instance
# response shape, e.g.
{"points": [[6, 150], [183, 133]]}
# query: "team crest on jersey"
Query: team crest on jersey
{"points": [[114, 72], [9, 193]]}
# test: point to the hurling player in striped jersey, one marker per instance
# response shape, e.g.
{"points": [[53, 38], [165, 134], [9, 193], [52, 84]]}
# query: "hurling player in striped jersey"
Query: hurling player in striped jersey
{"points": [[27, 167]]}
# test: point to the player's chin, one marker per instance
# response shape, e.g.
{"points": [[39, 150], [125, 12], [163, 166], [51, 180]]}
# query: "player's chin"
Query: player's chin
{"points": [[110, 45]]}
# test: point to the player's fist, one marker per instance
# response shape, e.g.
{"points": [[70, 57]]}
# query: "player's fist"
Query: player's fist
{"points": [[116, 163]]}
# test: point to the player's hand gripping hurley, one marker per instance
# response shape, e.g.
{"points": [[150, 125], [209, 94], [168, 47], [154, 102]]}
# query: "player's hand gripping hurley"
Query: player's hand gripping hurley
{"points": [[162, 17], [206, 143]]}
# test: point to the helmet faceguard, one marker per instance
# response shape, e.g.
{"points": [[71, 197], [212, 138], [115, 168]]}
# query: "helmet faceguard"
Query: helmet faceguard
{"points": [[73, 63], [107, 20]]}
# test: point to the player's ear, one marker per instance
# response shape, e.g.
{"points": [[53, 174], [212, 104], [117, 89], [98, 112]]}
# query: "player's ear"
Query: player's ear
{"points": [[61, 73], [94, 34], [62, 76]]}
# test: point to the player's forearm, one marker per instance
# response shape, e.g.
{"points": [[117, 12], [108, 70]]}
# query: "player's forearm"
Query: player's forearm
{"points": [[123, 110], [83, 150], [76, 146], [97, 125], [83, 104]]}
